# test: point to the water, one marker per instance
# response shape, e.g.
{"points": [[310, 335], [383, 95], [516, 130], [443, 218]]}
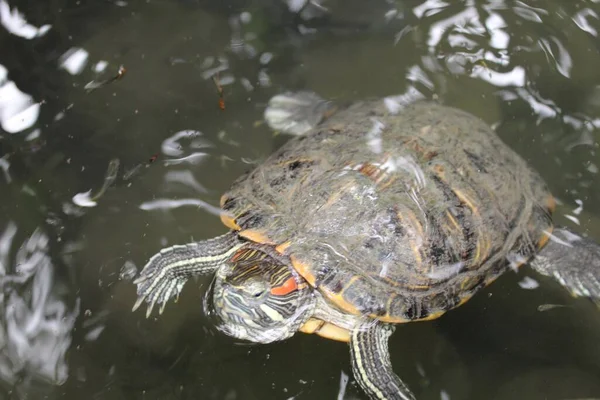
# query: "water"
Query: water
{"points": [[529, 68]]}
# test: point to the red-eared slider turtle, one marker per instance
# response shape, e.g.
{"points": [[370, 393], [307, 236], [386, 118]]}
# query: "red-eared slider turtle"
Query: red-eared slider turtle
{"points": [[371, 219]]}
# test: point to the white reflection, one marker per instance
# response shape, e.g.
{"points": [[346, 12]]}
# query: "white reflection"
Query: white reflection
{"points": [[263, 78], [391, 14], [84, 199], [247, 84], [5, 165], [193, 158], [573, 219], [100, 66], [186, 178], [499, 38], [395, 104], [446, 271], [416, 74], [296, 5], [564, 62], [74, 60], [17, 109], [33, 135], [528, 283], [35, 330], [466, 21], [343, 385], [374, 140], [543, 108], [579, 208], [529, 13], [169, 204], [429, 7], [15, 23], [516, 77], [265, 58], [171, 145], [581, 20]]}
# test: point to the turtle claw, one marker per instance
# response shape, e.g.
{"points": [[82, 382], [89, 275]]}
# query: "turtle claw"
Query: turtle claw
{"points": [[139, 279], [156, 285], [138, 303], [150, 307]]}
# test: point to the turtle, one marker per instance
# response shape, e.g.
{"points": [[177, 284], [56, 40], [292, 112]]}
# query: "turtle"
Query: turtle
{"points": [[372, 215]]}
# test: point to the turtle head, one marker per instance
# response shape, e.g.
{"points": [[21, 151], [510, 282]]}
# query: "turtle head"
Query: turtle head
{"points": [[259, 298]]}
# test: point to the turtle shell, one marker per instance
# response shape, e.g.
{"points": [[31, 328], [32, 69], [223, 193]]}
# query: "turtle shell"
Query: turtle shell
{"points": [[397, 217]]}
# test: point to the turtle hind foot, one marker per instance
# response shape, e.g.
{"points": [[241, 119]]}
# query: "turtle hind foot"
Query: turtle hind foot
{"points": [[295, 113], [574, 261]]}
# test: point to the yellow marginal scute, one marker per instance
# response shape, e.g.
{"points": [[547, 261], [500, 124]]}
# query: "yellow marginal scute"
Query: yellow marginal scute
{"points": [[550, 203], [255, 236], [303, 269], [223, 200], [283, 247], [466, 200], [326, 330], [339, 300], [229, 221], [312, 325], [545, 237]]}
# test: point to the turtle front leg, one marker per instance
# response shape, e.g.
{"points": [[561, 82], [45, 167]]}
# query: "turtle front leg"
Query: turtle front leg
{"points": [[371, 363], [572, 260], [167, 271]]}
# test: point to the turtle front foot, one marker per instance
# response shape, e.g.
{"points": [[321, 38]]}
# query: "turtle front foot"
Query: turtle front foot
{"points": [[296, 113], [157, 283]]}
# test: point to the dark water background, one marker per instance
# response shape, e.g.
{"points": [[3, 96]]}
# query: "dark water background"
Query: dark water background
{"points": [[529, 68]]}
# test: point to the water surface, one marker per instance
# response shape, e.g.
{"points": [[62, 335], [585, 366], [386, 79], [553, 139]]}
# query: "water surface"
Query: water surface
{"points": [[528, 68]]}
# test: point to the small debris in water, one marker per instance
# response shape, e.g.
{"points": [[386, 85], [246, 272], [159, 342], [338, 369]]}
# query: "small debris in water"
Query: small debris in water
{"points": [[444, 395], [529, 283], [93, 85], [547, 307], [220, 91], [136, 169]]}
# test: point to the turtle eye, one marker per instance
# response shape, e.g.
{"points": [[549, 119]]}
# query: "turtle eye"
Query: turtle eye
{"points": [[255, 288]]}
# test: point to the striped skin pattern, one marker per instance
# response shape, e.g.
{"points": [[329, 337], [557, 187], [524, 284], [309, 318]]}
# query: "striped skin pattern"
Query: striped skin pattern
{"points": [[371, 363], [259, 297], [395, 217], [166, 272]]}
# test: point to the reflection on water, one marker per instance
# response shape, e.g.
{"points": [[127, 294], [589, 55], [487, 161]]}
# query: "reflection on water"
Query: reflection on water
{"points": [[528, 68], [37, 323]]}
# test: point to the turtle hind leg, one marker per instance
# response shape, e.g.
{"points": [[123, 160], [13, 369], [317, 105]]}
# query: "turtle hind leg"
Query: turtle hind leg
{"points": [[574, 261], [295, 113], [371, 363], [167, 271]]}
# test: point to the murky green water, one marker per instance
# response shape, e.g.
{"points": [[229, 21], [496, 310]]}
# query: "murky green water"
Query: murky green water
{"points": [[529, 68]]}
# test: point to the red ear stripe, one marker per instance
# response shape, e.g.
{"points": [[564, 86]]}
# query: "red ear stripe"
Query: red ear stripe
{"points": [[287, 287]]}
